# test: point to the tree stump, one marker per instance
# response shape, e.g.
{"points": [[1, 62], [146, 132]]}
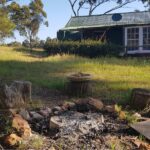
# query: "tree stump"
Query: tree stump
{"points": [[140, 98], [17, 95], [79, 85]]}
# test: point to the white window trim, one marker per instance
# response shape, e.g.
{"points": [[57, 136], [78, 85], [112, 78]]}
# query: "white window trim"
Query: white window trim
{"points": [[140, 50]]}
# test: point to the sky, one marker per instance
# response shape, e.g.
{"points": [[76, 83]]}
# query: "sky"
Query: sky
{"points": [[59, 12]]}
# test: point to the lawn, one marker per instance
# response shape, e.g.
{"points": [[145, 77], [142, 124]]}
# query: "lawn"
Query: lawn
{"points": [[114, 77]]}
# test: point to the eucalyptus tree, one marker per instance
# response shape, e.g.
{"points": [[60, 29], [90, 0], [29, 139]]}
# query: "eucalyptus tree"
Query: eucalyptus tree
{"points": [[92, 5], [28, 18], [6, 25]]}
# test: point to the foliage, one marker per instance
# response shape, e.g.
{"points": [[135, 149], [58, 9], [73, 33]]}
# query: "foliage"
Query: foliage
{"points": [[6, 125], [131, 118], [36, 142], [28, 18], [36, 43], [26, 43], [92, 5], [84, 48], [6, 26], [125, 115], [14, 44], [147, 2]]}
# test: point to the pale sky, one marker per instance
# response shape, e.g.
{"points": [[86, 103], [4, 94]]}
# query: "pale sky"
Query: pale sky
{"points": [[59, 13]]}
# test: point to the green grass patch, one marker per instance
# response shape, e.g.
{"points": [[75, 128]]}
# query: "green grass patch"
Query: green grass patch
{"points": [[114, 77]]}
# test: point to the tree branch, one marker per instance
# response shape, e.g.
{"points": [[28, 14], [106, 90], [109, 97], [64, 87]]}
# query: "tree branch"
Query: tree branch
{"points": [[120, 6], [80, 6], [72, 4], [98, 4]]}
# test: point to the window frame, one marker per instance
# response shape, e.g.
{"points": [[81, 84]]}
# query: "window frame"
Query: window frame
{"points": [[141, 43]]}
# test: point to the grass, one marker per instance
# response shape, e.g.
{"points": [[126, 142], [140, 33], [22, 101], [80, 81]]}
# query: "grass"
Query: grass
{"points": [[114, 77]]}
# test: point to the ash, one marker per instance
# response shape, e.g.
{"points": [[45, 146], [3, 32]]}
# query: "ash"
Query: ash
{"points": [[75, 123]]}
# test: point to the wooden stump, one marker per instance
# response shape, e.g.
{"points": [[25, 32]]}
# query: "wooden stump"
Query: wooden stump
{"points": [[17, 95], [140, 98], [79, 85]]}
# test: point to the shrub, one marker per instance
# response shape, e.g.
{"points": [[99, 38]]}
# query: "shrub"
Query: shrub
{"points": [[86, 48], [14, 44]]}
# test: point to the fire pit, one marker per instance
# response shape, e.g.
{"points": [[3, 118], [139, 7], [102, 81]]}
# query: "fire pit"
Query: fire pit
{"points": [[84, 130], [75, 123], [79, 84]]}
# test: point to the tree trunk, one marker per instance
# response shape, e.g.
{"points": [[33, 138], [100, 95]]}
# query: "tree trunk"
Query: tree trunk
{"points": [[30, 41]]}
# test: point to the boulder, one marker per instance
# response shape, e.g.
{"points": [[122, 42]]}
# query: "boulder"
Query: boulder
{"points": [[17, 95], [56, 108], [21, 126], [140, 98], [45, 112], [110, 108], [12, 140], [25, 114], [95, 104], [87, 104], [36, 116], [69, 106], [55, 123]]}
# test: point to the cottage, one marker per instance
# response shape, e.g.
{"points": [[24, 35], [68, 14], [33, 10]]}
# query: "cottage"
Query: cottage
{"points": [[131, 30]]}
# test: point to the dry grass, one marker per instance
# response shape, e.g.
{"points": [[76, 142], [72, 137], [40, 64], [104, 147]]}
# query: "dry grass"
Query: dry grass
{"points": [[114, 77]]}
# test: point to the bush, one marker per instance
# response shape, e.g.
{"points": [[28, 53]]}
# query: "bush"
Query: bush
{"points": [[85, 48], [14, 44]]}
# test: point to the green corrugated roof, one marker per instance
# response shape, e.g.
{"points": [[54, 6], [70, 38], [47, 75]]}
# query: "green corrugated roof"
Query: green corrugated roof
{"points": [[131, 18]]}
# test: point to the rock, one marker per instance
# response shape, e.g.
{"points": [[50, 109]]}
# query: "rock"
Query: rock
{"points": [[45, 112], [57, 112], [12, 140], [52, 148], [25, 114], [137, 115], [69, 106], [122, 115], [140, 98], [84, 105], [57, 108], [55, 123], [22, 126], [95, 104], [16, 95], [13, 111], [110, 108], [35, 115], [48, 109], [1, 147]]}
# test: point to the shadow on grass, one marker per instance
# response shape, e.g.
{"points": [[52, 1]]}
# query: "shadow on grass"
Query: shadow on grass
{"points": [[52, 75], [37, 53], [122, 61]]}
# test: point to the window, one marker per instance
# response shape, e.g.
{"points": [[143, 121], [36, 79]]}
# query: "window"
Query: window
{"points": [[137, 38], [146, 38], [133, 38]]}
